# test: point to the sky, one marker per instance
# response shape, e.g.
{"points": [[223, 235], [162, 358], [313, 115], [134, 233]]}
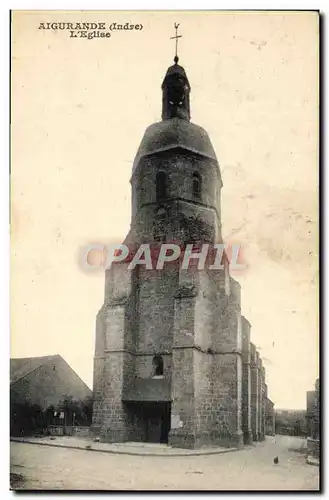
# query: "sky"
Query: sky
{"points": [[79, 110]]}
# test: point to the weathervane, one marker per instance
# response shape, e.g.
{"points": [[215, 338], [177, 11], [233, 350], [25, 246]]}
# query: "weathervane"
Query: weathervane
{"points": [[176, 38]]}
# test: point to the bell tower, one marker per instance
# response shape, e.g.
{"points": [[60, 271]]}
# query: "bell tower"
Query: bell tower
{"points": [[176, 180], [176, 93], [176, 89], [167, 358]]}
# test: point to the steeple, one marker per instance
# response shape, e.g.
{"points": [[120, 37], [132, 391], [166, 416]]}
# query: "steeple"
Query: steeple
{"points": [[176, 89]]}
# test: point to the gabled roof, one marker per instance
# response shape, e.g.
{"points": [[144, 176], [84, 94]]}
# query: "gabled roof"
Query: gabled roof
{"points": [[20, 367]]}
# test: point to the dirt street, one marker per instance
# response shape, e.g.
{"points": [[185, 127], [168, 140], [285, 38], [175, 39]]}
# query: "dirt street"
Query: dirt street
{"points": [[44, 467]]}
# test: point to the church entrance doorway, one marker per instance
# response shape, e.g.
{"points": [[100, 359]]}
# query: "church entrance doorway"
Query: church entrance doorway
{"points": [[156, 418]]}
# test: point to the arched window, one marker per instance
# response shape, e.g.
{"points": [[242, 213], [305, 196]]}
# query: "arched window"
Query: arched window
{"points": [[196, 185], [157, 366], [161, 185]]}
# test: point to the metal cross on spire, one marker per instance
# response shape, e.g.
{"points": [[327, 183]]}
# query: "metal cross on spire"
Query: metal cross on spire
{"points": [[176, 38]]}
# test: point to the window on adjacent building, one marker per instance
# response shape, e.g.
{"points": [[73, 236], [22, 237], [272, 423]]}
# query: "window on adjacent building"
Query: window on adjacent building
{"points": [[157, 366], [196, 185], [161, 185]]}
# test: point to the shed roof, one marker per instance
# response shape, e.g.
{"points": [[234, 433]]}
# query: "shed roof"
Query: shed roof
{"points": [[151, 389]]}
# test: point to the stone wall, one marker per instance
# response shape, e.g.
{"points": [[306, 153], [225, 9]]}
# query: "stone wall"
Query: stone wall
{"points": [[155, 304], [60, 430], [269, 417], [113, 415], [110, 418], [179, 166], [263, 402], [313, 447], [207, 364], [56, 430], [260, 398], [182, 433], [254, 393], [226, 381], [205, 403], [183, 421], [246, 383], [184, 213]]}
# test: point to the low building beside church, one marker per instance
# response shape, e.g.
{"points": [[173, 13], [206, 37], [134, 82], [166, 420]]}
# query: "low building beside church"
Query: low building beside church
{"points": [[40, 383], [313, 421], [44, 381], [269, 418]]}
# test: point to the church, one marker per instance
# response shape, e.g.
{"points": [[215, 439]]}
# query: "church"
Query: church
{"points": [[173, 359]]}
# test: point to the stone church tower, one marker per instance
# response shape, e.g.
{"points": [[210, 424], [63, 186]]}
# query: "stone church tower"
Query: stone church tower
{"points": [[168, 361]]}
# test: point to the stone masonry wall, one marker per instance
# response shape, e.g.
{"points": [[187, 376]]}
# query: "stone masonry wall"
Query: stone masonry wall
{"points": [[264, 398], [260, 398], [226, 382], [115, 419], [179, 166], [183, 423], [204, 403], [113, 365], [254, 393], [246, 383], [156, 310], [218, 368], [182, 209]]}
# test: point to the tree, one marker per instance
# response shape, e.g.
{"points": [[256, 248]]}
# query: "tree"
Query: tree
{"points": [[25, 418], [77, 412]]}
